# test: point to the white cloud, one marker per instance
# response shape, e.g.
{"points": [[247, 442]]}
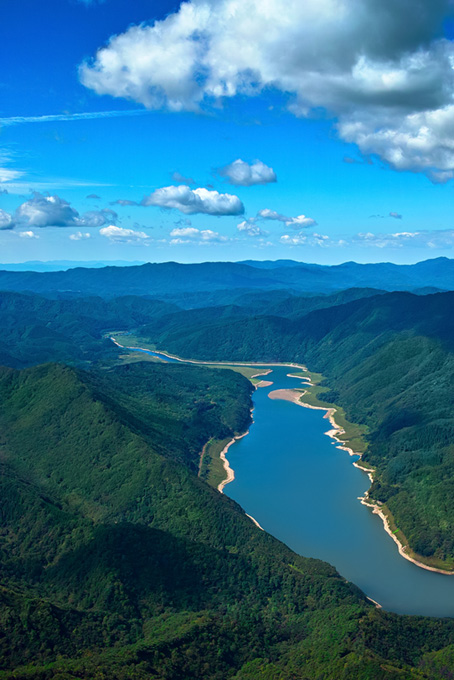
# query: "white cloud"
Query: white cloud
{"points": [[120, 235], [299, 222], [5, 220], [52, 211], [250, 228], [7, 174], [64, 117], [389, 88], [45, 211], [191, 201], [294, 239], [80, 236], [190, 234], [442, 239], [302, 240], [28, 234], [244, 174], [395, 215]]}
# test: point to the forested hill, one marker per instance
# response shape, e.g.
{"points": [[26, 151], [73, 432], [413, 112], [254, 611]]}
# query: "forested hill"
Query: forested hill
{"points": [[173, 278], [388, 360], [35, 329], [118, 562]]}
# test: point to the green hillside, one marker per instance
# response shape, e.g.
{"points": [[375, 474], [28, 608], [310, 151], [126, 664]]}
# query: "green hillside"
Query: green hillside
{"points": [[35, 329], [118, 562]]}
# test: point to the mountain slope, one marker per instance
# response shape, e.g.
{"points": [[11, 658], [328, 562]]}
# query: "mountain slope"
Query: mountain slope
{"points": [[118, 562]]}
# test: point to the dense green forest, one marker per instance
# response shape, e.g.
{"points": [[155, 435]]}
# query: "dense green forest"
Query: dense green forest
{"points": [[118, 562], [35, 329]]}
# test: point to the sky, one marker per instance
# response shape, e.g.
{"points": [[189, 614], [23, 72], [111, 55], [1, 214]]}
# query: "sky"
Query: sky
{"points": [[151, 130]]}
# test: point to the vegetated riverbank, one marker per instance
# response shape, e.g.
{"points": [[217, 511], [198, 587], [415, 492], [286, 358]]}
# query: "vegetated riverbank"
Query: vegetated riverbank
{"points": [[342, 436]]}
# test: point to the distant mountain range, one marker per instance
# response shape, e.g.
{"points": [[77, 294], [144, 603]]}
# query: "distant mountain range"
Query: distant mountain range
{"points": [[174, 278], [59, 265]]}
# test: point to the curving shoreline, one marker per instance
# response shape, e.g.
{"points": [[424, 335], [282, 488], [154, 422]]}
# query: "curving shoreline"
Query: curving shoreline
{"points": [[296, 396], [229, 471]]}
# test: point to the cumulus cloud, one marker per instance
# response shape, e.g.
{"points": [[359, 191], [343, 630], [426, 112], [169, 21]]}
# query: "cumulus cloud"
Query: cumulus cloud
{"points": [[395, 215], [442, 239], [190, 234], [120, 235], [302, 239], [299, 222], [6, 220], [244, 174], [389, 88], [28, 234], [94, 197], [191, 201], [250, 228], [53, 211], [80, 236]]}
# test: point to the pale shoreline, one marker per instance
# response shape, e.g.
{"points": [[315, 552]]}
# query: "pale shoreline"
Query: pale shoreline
{"points": [[231, 473], [296, 396], [228, 470]]}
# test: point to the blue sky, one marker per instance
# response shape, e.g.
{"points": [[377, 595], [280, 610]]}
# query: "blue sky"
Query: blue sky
{"points": [[341, 152]]}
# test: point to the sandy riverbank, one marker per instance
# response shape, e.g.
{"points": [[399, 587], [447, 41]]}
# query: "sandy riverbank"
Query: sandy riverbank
{"points": [[231, 474], [228, 470], [295, 396], [264, 383]]}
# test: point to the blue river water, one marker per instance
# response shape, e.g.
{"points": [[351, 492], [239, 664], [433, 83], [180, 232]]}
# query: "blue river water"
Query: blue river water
{"points": [[304, 491]]}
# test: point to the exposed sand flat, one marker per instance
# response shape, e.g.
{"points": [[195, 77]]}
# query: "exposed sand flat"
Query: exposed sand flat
{"points": [[287, 395], [264, 383]]}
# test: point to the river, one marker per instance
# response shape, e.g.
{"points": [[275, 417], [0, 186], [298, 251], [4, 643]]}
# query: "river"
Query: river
{"points": [[304, 491]]}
